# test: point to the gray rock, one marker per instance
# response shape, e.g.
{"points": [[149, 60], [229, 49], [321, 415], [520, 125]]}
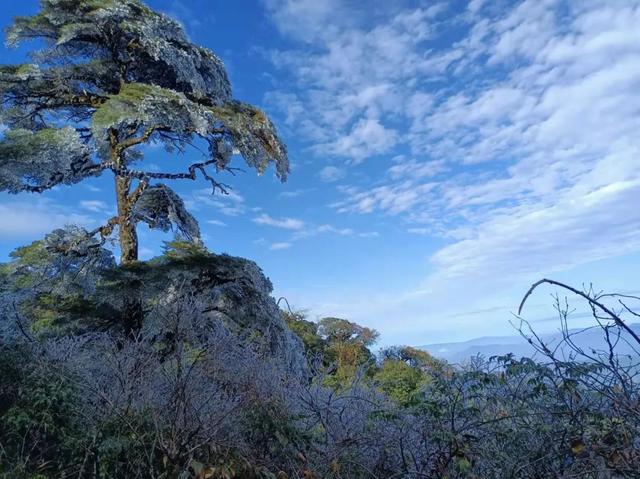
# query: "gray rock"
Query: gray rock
{"points": [[232, 291]]}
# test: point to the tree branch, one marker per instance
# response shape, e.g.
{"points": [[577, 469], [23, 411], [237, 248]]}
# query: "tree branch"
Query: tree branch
{"points": [[58, 177], [128, 143], [191, 174], [137, 193], [593, 301], [105, 230]]}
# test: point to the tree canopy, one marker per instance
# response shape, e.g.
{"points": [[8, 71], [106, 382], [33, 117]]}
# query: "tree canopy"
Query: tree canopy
{"points": [[112, 76]]}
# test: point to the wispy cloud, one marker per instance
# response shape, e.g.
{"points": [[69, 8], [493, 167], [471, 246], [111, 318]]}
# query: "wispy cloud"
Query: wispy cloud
{"points": [[305, 19], [512, 137], [230, 204], [352, 74], [331, 173], [92, 188], [522, 243], [316, 230], [285, 223], [34, 218], [147, 253], [279, 246], [216, 223], [295, 193], [303, 230], [97, 206], [555, 130]]}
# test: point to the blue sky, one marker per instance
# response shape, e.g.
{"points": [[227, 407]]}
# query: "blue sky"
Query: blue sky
{"points": [[444, 156]]}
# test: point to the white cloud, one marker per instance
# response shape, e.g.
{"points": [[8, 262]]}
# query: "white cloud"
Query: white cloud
{"points": [[352, 74], [557, 128], [230, 204], [475, 5], [285, 223], [34, 218], [519, 135], [216, 223], [311, 231], [305, 19], [94, 205], [393, 199], [525, 30], [331, 173], [279, 246], [368, 137], [413, 169], [530, 241], [332, 229], [295, 193]]}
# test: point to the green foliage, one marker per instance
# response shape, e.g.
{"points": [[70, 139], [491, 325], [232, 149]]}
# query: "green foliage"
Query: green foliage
{"points": [[254, 135], [26, 262], [337, 330], [272, 432], [161, 208], [126, 103], [347, 348], [184, 250], [36, 408], [120, 447], [306, 330], [400, 381], [38, 160], [56, 314], [49, 284], [342, 345], [418, 358]]}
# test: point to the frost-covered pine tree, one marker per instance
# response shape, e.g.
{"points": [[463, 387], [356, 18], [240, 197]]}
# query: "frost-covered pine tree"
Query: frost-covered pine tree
{"points": [[111, 76]]}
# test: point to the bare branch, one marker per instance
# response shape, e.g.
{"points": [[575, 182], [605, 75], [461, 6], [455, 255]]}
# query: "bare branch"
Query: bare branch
{"points": [[592, 301], [104, 230], [190, 175]]}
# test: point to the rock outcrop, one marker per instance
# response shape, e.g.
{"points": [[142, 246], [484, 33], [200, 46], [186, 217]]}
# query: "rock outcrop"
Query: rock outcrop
{"points": [[229, 291], [232, 291]]}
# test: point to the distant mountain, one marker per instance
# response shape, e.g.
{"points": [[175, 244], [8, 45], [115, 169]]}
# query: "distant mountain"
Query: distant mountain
{"points": [[498, 345]]}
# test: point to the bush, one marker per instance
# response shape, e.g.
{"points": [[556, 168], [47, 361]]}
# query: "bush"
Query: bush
{"points": [[187, 394]]}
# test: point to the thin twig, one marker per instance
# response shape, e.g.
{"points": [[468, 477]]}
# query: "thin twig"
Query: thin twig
{"points": [[591, 300]]}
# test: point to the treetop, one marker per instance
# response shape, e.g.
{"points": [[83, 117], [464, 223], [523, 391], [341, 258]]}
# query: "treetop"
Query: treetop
{"points": [[112, 76]]}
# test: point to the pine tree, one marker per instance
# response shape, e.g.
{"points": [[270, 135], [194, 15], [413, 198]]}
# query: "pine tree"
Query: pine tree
{"points": [[112, 76]]}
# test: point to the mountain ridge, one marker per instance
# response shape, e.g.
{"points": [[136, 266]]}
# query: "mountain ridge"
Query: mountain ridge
{"points": [[499, 345]]}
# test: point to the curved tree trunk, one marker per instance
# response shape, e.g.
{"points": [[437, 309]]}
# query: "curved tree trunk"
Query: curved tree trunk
{"points": [[127, 228]]}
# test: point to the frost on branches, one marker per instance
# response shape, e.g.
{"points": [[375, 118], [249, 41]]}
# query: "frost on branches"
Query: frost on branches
{"points": [[113, 76]]}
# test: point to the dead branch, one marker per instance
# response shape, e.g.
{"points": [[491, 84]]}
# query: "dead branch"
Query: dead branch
{"points": [[592, 301]]}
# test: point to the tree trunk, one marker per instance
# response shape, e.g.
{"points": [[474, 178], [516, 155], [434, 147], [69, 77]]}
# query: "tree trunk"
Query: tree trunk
{"points": [[126, 227]]}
